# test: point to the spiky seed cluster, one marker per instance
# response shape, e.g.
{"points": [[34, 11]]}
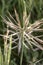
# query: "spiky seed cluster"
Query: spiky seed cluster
{"points": [[27, 30]]}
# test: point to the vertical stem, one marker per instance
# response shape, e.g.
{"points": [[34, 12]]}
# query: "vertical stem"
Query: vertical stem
{"points": [[22, 40], [21, 56], [9, 50], [5, 51], [5, 47]]}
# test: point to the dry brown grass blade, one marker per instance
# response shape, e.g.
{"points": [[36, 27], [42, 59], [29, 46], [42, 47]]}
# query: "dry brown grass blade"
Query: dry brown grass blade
{"points": [[28, 41], [36, 44], [12, 17], [16, 33], [10, 24], [11, 21], [39, 30], [24, 16], [17, 17], [33, 41], [27, 20], [37, 39], [37, 23], [35, 26]]}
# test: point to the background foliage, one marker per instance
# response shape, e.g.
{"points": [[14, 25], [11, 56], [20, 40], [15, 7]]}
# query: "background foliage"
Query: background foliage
{"points": [[36, 9]]}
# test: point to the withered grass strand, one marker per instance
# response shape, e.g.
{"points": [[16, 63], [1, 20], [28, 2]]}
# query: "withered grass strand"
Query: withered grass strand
{"points": [[9, 49], [12, 17], [17, 18]]}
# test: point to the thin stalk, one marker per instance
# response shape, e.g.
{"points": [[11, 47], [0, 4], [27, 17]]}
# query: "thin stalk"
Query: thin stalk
{"points": [[22, 47], [5, 50], [9, 50]]}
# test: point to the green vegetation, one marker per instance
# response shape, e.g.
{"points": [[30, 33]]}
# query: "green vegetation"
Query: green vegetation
{"points": [[21, 32]]}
